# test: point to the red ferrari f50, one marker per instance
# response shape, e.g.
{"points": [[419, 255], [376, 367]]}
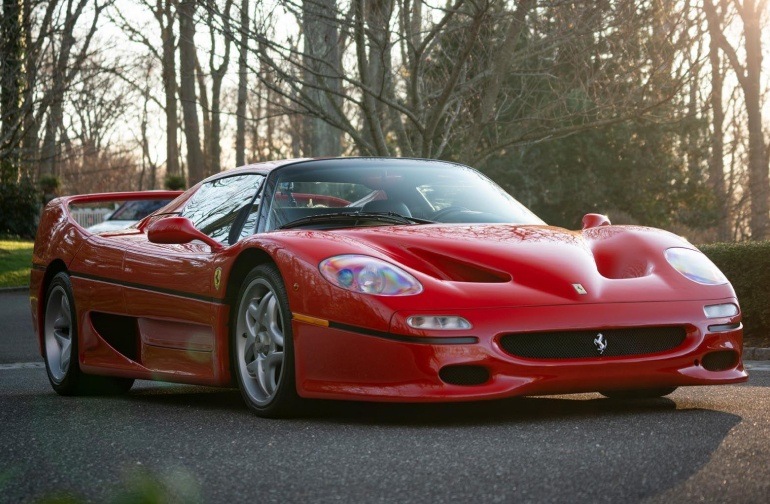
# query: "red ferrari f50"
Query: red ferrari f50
{"points": [[374, 279]]}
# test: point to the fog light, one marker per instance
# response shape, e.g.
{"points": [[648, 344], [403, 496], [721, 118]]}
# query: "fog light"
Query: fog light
{"points": [[438, 322], [721, 310]]}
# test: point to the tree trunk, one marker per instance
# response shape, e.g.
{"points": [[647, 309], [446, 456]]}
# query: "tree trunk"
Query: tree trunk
{"points": [[759, 184], [10, 90], [214, 148], [243, 76], [187, 90], [322, 86], [49, 152], [748, 76], [499, 67], [716, 163], [169, 87], [206, 113]]}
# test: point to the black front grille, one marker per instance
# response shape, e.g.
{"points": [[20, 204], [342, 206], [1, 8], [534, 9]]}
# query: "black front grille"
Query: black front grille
{"points": [[594, 343]]}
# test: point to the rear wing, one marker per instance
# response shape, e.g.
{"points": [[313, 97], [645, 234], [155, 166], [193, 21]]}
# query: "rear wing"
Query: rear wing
{"points": [[66, 202]]}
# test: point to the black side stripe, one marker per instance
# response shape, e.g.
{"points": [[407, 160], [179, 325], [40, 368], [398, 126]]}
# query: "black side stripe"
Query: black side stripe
{"points": [[38, 267], [149, 288], [450, 340]]}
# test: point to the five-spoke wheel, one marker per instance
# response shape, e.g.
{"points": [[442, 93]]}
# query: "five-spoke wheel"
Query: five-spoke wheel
{"points": [[60, 345], [262, 349], [58, 333]]}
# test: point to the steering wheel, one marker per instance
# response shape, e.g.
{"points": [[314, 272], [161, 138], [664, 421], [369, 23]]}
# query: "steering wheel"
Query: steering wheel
{"points": [[448, 211]]}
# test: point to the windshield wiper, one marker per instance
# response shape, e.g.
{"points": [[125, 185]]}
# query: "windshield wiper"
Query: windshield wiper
{"points": [[387, 217]]}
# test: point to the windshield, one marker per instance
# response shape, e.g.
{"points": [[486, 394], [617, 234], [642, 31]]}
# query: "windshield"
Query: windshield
{"points": [[420, 189]]}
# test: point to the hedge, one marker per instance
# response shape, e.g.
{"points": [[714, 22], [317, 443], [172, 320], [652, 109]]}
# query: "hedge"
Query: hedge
{"points": [[19, 203], [747, 266]]}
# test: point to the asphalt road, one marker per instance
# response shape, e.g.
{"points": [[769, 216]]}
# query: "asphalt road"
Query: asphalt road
{"points": [[707, 444]]}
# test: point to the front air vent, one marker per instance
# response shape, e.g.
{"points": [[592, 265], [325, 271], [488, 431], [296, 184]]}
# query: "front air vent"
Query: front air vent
{"points": [[721, 360], [593, 344], [465, 375]]}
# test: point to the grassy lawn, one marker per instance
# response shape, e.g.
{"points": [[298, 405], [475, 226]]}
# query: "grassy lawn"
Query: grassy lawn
{"points": [[15, 262]]}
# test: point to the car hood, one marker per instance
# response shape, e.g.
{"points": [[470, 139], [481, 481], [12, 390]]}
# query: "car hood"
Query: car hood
{"points": [[538, 264]]}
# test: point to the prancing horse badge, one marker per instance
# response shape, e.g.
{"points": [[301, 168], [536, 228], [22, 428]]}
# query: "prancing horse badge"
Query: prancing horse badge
{"points": [[601, 343], [217, 278]]}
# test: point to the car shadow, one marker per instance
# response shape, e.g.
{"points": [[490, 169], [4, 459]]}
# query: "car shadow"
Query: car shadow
{"points": [[582, 446], [410, 414], [519, 409], [570, 448]]}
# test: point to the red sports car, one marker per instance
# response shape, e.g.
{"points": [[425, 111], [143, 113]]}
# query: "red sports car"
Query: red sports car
{"points": [[378, 280]]}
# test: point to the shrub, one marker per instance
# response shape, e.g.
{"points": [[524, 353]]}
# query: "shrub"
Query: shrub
{"points": [[747, 266], [174, 182], [49, 184], [19, 204]]}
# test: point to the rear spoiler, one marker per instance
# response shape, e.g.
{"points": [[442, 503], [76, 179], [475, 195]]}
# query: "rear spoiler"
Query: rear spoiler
{"points": [[67, 201]]}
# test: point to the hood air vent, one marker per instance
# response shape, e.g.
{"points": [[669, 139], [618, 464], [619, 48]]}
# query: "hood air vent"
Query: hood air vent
{"points": [[450, 268]]}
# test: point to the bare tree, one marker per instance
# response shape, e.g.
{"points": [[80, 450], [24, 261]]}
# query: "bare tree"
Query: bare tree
{"points": [[213, 133], [240, 112], [165, 15], [187, 57], [716, 161], [748, 73], [65, 68], [146, 180], [469, 79], [11, 59], [322, 86]]}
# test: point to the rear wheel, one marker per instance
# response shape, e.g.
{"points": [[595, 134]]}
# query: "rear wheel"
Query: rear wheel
{"points": [[262, 349], [60, 342], [638, 394]]}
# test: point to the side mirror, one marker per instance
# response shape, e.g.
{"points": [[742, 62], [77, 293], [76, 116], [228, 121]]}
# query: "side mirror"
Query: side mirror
{"points": [[178, 230], [593, 220]]}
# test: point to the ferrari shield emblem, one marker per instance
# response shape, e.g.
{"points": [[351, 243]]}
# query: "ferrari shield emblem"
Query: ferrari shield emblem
{"points": [[217, 278], [580, 289]]}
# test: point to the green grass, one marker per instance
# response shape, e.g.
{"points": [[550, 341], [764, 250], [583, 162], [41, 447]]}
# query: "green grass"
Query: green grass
{"points": [[15, 262]]}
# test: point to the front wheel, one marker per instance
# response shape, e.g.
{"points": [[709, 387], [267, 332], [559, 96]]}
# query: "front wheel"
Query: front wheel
{"points": [[638, 394], [262, 349]]}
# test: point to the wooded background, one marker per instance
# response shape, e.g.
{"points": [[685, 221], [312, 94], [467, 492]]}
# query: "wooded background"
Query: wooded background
{"points": [[650, 111]]}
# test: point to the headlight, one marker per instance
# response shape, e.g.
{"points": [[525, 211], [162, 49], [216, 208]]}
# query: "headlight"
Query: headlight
{"points": [[695, 266], [368, 275]]}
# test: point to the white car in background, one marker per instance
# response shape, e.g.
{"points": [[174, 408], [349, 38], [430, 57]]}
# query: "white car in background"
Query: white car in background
{"points": [[127, 214]]}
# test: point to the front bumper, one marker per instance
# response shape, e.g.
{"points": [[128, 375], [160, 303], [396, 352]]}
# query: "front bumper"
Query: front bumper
{"points": [[338, 362]]}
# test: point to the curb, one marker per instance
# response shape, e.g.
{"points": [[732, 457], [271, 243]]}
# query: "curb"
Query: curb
{"points": [[14, 289]]}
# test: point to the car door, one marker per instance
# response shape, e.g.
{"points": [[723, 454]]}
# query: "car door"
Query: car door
{"points": [[172, 293]]}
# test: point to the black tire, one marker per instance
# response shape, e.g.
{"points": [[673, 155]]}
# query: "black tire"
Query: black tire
{"points": [[261, 345], [638, 394], [60, 346]]}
